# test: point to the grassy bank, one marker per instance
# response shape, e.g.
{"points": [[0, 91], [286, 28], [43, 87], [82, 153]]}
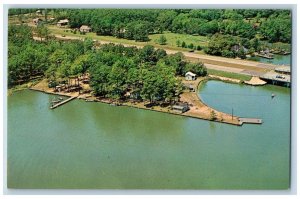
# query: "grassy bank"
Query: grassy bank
{"points": [[229, 75]]}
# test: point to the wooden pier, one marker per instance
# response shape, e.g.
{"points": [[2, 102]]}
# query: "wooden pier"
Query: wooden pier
{"points": [[62, 102], [250, 121]]}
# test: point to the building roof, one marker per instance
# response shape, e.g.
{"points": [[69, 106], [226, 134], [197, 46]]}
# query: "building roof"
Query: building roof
{"points": [[286, 69], [190, 73], [63, 21], [178, 107], [85, 27], [271, 75]]}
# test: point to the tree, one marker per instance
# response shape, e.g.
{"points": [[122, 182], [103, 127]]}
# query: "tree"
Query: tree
{"points": [[160, 53], [80, 65], [191, 46], [183, 45], [88, 45], [99, 79], [277, 29], [141, 31], [149, 90], [198, 68], [178, 43], [146, 54], [162, 40], [116, 81], [43, 32], [19, 35], [164, 20], [213, 115], [241, 53]]}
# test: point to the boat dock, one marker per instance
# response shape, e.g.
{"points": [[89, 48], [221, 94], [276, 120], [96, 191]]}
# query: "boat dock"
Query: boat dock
{"points": [[62, 102], [281, 75], [249, 121]]}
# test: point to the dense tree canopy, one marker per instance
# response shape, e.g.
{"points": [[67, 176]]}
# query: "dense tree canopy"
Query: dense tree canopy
{"points": [[137, 24], [147, 73], [230, 33]]}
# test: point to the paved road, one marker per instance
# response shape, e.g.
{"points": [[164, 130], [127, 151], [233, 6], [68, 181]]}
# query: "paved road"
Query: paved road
{"points": [[211, 62]]}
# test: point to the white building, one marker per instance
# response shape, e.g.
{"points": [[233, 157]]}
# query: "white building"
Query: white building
{"points": [[85, 28], [63, 22], [190, 76]]}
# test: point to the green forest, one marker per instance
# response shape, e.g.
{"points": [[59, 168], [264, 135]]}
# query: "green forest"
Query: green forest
{"points": [[148, 73], [251, 30]]}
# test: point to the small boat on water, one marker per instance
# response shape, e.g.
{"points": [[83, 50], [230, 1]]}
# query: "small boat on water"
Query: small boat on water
{"points": [[273, 95], [89, 100], [55, 101]]}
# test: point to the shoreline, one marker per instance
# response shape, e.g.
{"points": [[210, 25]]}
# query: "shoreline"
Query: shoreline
{"points": [[132, 106], [198, 109]]}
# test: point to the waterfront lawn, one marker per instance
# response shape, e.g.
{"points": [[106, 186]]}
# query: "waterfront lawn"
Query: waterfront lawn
{"points": [[229, 75]]}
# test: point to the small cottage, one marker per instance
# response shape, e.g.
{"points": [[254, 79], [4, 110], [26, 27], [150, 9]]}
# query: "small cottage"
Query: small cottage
{"points": [[63, 22], [190, 76], [85, 28], [180, 107]]}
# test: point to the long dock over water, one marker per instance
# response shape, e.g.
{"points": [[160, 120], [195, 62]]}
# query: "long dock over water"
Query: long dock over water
{"points": [[249, 121], [62, 102]]}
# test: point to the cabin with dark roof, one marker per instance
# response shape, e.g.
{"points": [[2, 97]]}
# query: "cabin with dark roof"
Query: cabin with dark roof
{"points": [[180, 107]]}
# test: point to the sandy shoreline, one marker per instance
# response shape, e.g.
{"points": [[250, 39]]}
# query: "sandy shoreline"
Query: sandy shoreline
{"points": [[197, 110]]}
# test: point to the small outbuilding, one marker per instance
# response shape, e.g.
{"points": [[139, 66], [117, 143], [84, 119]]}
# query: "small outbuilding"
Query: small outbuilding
{"points": [[63, 22], [85, 28], [190, 76], [180, 107]]}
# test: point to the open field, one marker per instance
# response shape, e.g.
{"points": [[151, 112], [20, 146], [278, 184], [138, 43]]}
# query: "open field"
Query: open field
{"points": [[171, 39]]}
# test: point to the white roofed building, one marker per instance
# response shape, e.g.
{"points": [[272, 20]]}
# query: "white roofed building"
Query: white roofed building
{"points": [[190, 76]]}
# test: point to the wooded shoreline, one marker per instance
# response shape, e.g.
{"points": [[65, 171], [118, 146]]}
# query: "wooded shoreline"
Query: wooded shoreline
{"points": [[198, 110]]}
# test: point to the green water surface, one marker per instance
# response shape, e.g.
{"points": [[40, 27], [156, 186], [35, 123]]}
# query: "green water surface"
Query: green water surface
{"points": [[278, 59], [98, 146]]}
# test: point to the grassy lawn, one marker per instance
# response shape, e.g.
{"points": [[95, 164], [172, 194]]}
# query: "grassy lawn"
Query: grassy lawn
{"points": [[171, 38], [229, 75]]}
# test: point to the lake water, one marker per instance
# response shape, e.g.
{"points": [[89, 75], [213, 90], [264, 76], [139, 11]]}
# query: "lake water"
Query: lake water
{"points": [[278, 59], [94, 145]]}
